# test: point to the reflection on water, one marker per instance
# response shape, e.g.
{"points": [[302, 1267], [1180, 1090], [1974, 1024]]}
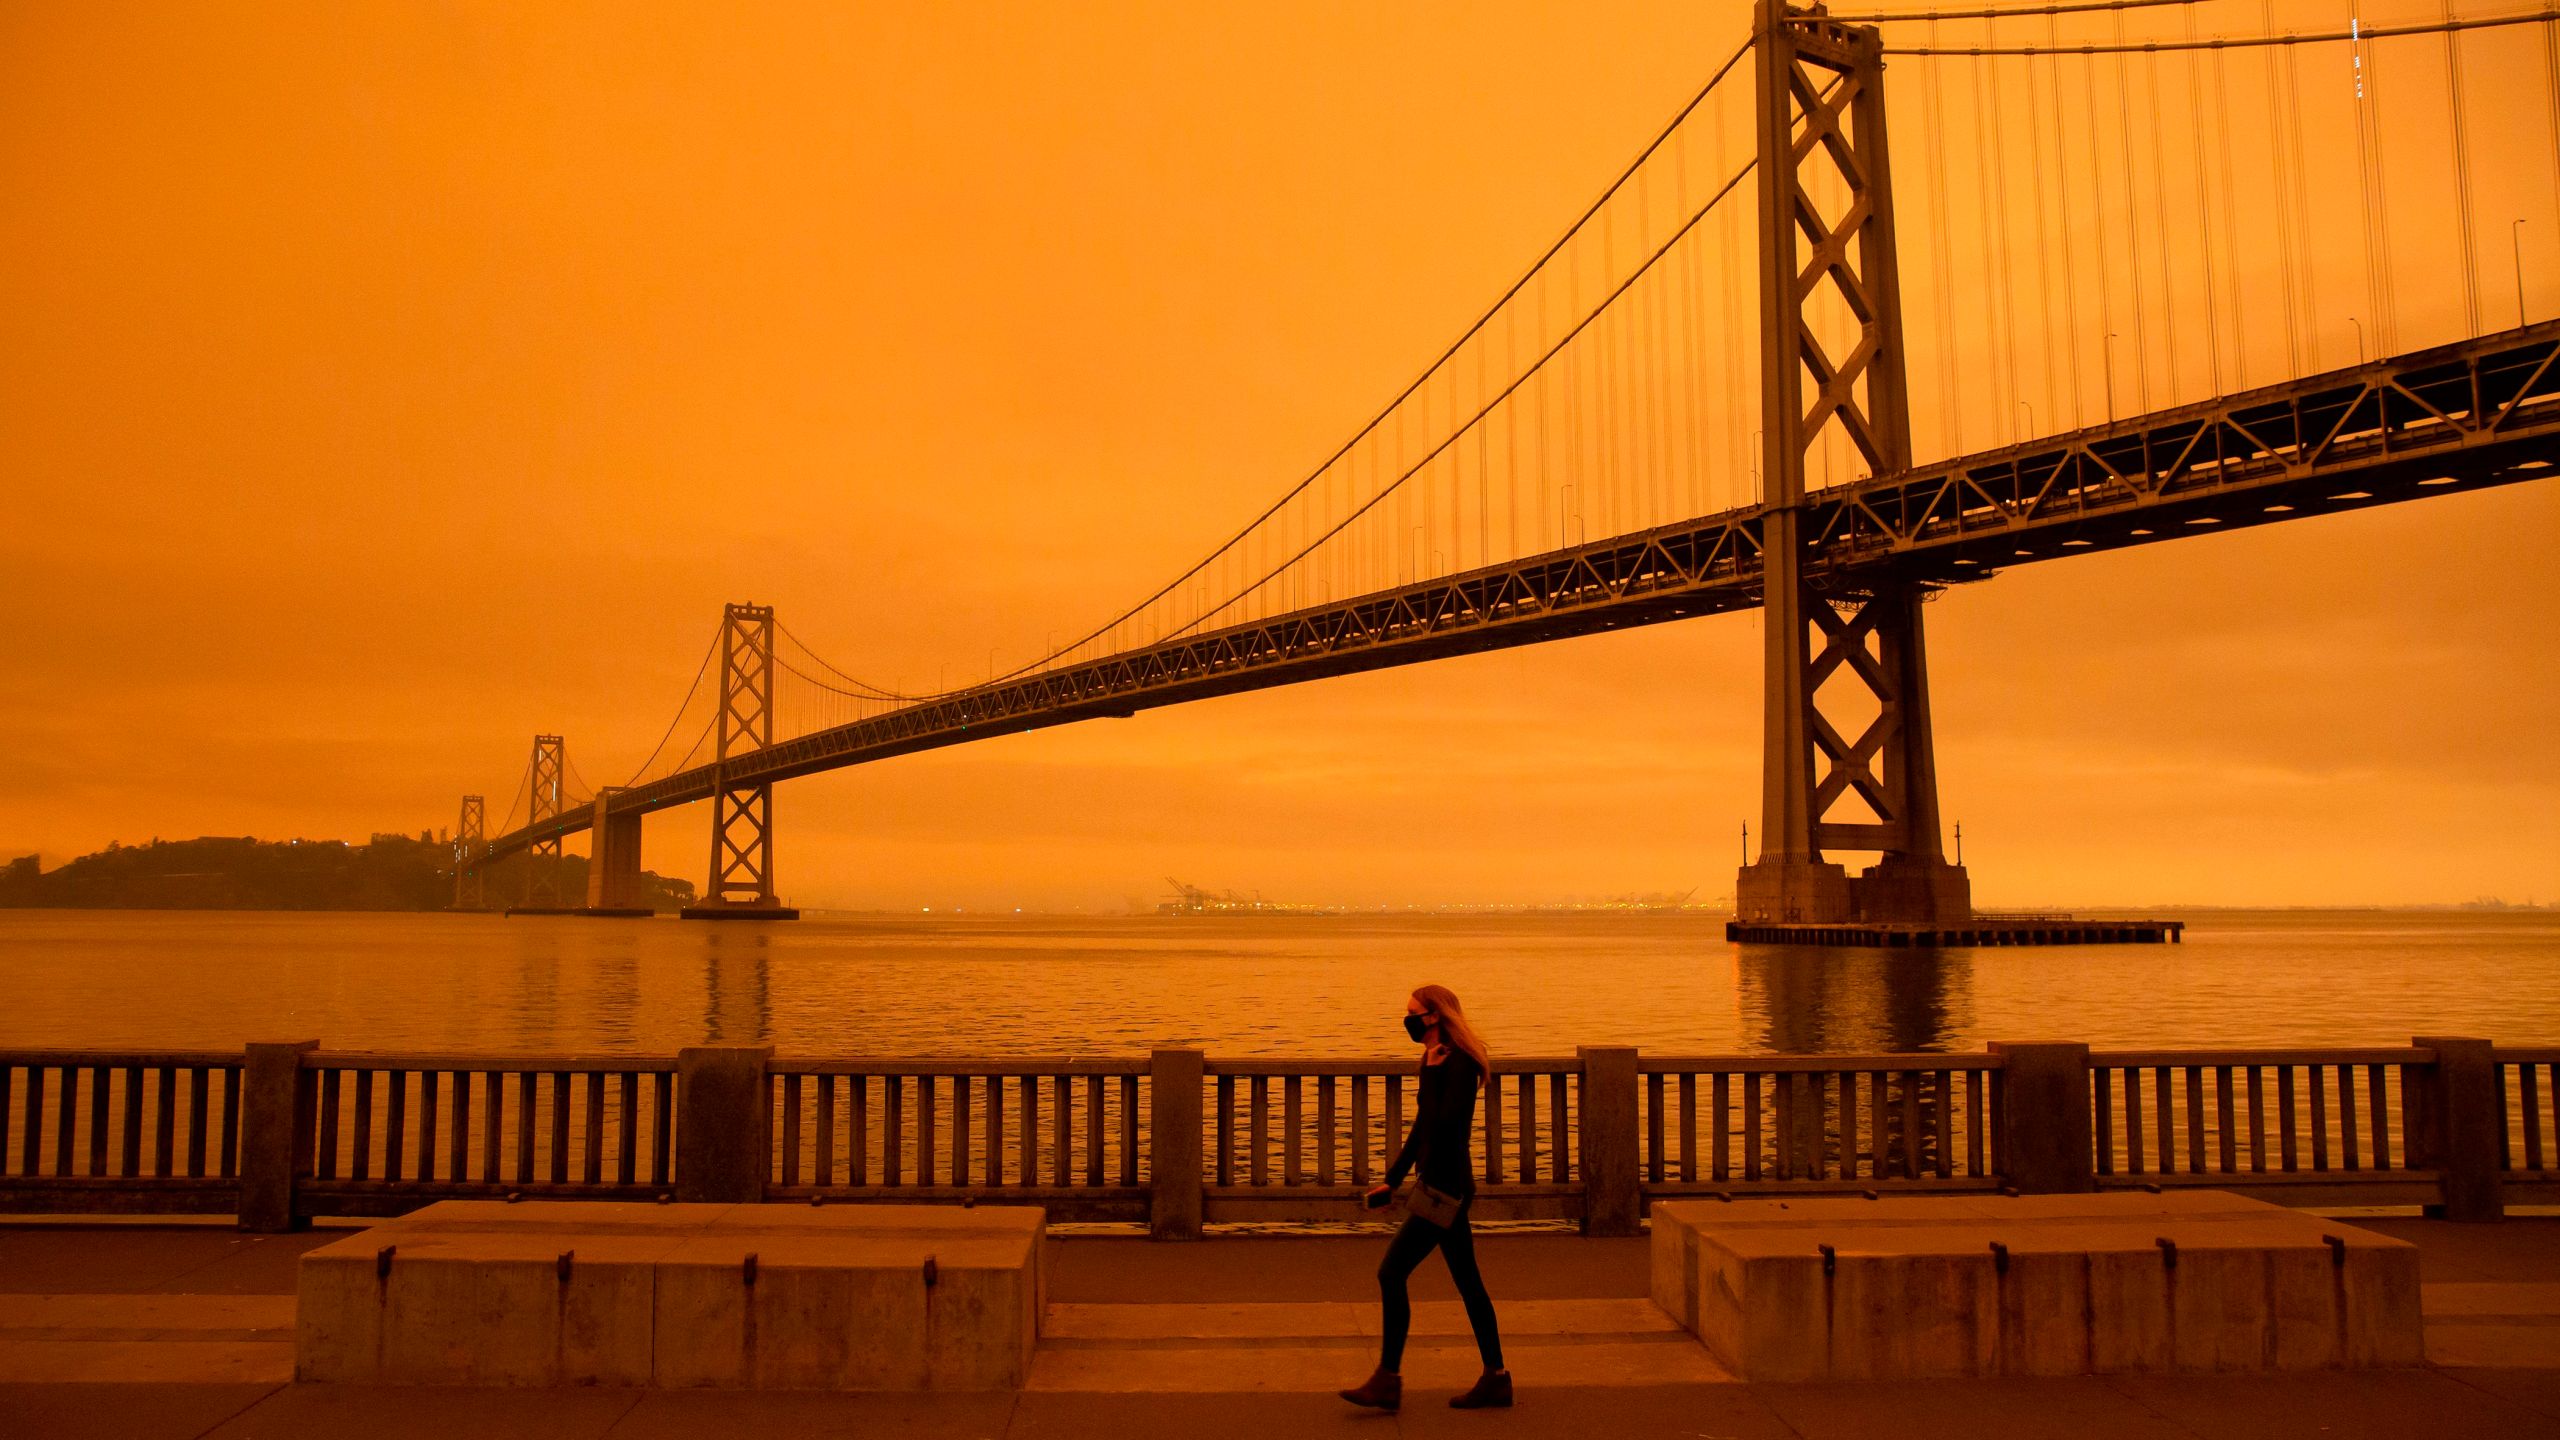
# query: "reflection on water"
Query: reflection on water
{"points": [[1304, 986], [1803, 1001]]}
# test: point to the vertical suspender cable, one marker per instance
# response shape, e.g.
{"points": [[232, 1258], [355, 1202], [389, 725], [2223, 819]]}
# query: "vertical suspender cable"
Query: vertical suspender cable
{"points": [[2160, 215], [2462, 177], [2002, 332], [2132, 225], [2098, 230], [2056, 413], [2204, 213], [2070, 255], [1950, 394], [2274, 130]]}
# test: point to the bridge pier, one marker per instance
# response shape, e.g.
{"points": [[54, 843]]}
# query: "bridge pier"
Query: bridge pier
{"points": [[613, 867], [741, 885], [1867, 640]]}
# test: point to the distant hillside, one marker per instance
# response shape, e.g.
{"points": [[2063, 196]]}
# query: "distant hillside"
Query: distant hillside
{"points": [[391, 872]]}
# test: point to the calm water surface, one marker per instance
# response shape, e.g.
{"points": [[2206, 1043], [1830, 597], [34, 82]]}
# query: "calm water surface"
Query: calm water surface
{"points": [[1306, 986]]}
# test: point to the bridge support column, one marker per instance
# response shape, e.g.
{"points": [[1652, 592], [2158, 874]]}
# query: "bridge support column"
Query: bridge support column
{"points": [[741, 885], [613, 867], [470, 846], [1831, 323]]}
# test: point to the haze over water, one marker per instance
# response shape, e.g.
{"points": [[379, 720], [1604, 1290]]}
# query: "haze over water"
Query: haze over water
{"points": [[874, 985]]}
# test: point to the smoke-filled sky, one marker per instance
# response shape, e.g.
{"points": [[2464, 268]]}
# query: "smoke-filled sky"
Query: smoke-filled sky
{"points": [[380, 385]]}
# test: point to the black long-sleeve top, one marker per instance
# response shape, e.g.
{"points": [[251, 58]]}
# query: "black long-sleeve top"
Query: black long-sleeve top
{"points": [[1442, 1140]]}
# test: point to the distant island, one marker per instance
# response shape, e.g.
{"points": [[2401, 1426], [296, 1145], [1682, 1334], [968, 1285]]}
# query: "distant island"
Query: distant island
{"points": [[388, 872]]}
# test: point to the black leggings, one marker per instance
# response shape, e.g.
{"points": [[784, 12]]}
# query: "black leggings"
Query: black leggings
{"points": [[1457, 1245]]}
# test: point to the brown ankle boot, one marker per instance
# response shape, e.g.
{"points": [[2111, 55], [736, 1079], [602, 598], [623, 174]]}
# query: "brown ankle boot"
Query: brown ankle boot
{"points": [[1383, 1390], [1492, 1392]]}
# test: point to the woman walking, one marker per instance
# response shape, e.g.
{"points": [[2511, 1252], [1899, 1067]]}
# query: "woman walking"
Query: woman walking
{"points": [[1441, 1147]]}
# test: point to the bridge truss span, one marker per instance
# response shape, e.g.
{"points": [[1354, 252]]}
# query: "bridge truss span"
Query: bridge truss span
{"points": [[2467, 416]]}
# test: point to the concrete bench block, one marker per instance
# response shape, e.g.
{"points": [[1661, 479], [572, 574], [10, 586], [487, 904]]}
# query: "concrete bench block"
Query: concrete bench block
{"points": [[475, 1293], [1913, 1288]]}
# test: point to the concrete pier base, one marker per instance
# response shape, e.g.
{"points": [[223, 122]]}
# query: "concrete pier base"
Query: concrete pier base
{"points": [[474, 1292], [1912, 1288]]}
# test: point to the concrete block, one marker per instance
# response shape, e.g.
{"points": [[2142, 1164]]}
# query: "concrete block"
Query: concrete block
{"points": [[666, 1295], [1912, 1287]]}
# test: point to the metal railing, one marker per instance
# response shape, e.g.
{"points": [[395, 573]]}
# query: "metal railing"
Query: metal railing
{"points": [[1178, 1140]]}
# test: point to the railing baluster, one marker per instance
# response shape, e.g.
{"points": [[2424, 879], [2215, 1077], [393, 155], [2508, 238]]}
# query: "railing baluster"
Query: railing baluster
{"points": [[1030, 1130], [995, 1129], [1395, 1118], [1128, 1129], [563, 1097], [2348, 1147], [790, 1129], [164, 1122], [928, 1122], [360, 1162], [199, 1088], [1719, 1126], [1062, 1131], [2102, 1115], [626, 1089], [1976, 1125], [594, 1159], [1324, 1129], [324, 1150], [427, 1125], [1879, 1127], [66, 1103], [395, 1125], [2377, 1082], [857, 1140], [893, 1129], [528, 1082], [1653, 1127], [1258, 1129], [31, 1144], [1226, 1129], [2225, 1128], [1751, 1126], [2288, 1129], [1559, 1135], [2257, 1119], [2532, 1117], [1288, 1131], [1359, 1130], [493, 1124], [230, 1121], [963, 1101], [129, 1157], [662, 1126], [1095, 1129], [2319, 1117], [2164, 1116], [2195, 1119], [458, 1158], [100, 1087], [2135, 1161], [1688, 1126]]}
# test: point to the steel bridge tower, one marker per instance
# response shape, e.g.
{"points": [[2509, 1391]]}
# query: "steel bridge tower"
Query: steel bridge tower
{"points": [[741, 885], [1822, 131], [470, 843], [542, 859]]}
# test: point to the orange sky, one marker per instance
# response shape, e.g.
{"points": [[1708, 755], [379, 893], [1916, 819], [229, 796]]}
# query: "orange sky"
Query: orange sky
{"points": [[380, 385]]}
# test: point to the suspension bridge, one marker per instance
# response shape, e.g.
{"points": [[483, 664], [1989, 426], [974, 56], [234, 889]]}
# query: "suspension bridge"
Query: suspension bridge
{"points": [[2127, 301]]}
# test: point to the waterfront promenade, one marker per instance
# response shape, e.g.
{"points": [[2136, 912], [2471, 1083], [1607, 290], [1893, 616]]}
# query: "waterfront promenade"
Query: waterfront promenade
{"points": [[154, 1331]]}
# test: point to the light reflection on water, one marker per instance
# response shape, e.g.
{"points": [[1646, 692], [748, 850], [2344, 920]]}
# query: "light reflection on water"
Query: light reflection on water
{"points": [[860, 985]]}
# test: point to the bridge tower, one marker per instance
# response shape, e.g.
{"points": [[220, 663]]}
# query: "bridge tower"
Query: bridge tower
{"points": [[542, 860], [1831, 327], [741, 885], [470, 843]]}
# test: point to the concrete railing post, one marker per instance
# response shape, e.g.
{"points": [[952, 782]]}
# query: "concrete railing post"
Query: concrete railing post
{"points": [[1612, 1198], [1173, 1137], [2454, 1127], [724, 1124], [2042, 1130], [276, 1128]]}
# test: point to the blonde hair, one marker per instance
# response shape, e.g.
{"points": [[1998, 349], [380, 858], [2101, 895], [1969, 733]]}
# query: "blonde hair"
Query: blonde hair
{"points": [[1440, 1003]]}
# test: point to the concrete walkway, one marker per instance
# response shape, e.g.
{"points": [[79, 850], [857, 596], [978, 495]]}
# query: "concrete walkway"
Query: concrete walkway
{"points": [[150, 1331]]}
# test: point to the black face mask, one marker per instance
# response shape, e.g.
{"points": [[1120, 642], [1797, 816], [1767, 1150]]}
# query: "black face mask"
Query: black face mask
{"points": [[1413, 1026]]}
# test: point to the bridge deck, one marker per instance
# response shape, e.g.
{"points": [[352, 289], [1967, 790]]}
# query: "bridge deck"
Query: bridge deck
{"points": [[2459, 417]]}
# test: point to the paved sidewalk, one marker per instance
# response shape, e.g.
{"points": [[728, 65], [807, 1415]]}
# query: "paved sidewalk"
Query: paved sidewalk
{"points": [[152, 1331]]}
